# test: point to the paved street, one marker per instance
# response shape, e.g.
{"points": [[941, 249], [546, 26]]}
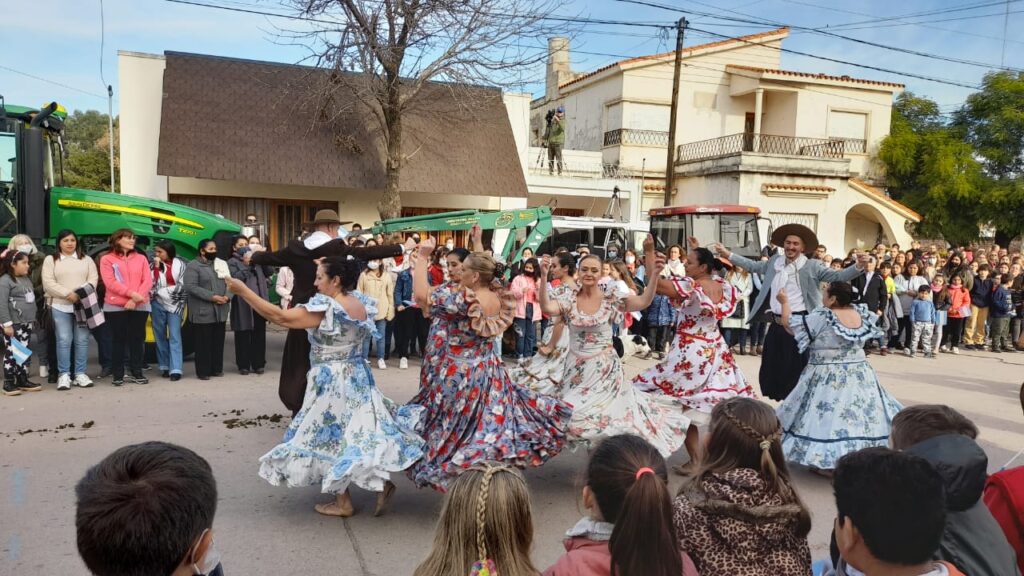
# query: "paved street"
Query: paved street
{"points": [[47, 440]]}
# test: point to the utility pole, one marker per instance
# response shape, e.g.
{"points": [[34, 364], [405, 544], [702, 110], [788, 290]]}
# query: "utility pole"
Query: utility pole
{"points": [[674, 114], [110, 127]]}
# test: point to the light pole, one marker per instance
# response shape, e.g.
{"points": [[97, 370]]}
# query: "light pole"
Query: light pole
{"points": [[110, 126]]}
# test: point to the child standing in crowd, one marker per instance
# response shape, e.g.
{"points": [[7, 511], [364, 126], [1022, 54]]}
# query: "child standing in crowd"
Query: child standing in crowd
{"points": [[959, 312], [739, 514], [922, 320], [981, 300], [1000, 314], [486, 524], [942, 301], [629, 528], [893, 314], [17, 313]]}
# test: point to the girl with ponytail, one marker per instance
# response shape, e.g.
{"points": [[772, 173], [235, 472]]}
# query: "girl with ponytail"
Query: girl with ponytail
{"points": [[739, 515], [629, 530]]}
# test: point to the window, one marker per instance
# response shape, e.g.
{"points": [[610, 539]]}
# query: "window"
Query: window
{"points": [[846, 125], [8, 201]]}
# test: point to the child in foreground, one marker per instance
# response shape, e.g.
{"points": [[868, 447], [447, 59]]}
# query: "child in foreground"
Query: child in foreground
{"points": [[630, 521], [486, 526], [148, 509]]}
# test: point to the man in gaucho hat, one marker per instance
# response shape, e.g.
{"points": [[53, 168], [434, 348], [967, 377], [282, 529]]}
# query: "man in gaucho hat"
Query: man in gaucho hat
{"points": [[301, 257], [801, 278]]}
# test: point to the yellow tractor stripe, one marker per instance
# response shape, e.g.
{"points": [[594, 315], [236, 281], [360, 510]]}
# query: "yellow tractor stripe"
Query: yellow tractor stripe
{"points": [[64, 203]]}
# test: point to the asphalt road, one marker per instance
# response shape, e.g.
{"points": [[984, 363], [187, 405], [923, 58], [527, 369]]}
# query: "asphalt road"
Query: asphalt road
{"points": [[48, 439]]}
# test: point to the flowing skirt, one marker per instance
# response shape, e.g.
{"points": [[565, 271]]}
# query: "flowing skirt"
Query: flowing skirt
{"points": [[346, 432], [545, 374], [836, 408], [474, 413]]}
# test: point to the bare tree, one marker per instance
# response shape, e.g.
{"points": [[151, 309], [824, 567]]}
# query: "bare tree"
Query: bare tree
{"points": [[384, 53]]}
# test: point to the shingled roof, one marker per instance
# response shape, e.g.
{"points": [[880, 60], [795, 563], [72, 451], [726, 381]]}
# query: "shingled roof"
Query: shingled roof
{"points": [[249, 121]]}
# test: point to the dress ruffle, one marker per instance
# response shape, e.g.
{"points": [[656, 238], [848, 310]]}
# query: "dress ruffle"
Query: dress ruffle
{"points": [[329, 325], [824, 318], [612, 309], [490, 326], [686, 287]]}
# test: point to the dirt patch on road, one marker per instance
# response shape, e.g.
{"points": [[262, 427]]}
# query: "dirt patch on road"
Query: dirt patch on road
{"points": [[240, 420]]}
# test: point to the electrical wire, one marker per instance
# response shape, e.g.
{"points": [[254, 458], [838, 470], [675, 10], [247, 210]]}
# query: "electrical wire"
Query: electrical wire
{"points": [[55, 83]]}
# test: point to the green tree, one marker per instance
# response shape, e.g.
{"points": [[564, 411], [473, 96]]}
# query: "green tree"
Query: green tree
{"points": [[992, 121], [933, 171], [86, 138]]}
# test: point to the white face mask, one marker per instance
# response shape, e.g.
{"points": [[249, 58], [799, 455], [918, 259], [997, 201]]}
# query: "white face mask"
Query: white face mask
{"points": [[630, 259], [373, 265], [210, 561], [449, 245], [25, 248]]}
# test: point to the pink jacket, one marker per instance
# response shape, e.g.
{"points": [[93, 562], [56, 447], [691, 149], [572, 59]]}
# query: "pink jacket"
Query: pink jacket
{"points": [[524, 289], [123, 275], [585, 557]]}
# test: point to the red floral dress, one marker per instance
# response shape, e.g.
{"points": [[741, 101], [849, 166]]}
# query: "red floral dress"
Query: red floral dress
{"points": [[473, 411], [699, 370]]}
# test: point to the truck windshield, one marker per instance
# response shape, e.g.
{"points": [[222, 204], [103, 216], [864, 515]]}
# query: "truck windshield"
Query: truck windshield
{"points": [[8, 202], [739, 234]]}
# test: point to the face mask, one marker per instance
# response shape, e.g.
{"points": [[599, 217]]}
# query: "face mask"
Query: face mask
{"points": [[373, 265], [25, 248], [209, 255], [210, 561], [630, 259], [449, 245], [613, 254]]}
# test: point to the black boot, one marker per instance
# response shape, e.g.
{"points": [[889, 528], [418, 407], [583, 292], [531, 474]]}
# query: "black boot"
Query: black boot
{"points": [[10, 388], [26, 385]]}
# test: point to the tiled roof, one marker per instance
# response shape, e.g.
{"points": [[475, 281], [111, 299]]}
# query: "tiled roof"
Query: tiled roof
{"points": [[813, 76], [249, 121], [885, 199], [796, 187], [738, 40]]}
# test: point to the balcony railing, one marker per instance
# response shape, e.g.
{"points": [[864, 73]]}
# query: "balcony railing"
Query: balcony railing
{"points": [[770, 144], [627, 136]]}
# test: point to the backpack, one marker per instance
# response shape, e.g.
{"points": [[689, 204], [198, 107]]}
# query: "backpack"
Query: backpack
{"points": [[1004, 497]]}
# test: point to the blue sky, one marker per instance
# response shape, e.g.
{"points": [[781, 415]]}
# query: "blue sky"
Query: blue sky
{"points": [[61, 51]]}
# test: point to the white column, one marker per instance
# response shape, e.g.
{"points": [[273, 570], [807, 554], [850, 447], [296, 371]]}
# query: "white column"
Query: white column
{"points": [[758, 106]]}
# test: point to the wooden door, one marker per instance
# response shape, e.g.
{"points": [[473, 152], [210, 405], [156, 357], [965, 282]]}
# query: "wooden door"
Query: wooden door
{"points": [[288, 216]]}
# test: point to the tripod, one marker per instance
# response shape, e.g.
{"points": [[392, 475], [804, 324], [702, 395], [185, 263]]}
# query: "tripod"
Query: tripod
{"points": [[614, 206]]}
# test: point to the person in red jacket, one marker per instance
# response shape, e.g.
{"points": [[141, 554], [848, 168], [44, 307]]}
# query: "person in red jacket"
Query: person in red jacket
{"points": [[128, 281], [630, 522], [959, 311]]}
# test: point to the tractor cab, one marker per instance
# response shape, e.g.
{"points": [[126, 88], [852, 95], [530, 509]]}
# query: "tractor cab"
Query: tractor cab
{"points": [[29, 143], [741, 229]]}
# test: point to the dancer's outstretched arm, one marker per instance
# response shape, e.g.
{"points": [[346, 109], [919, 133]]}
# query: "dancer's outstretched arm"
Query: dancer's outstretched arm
{"points": [[654, 265], [547, 306], [420, 281], [297, 318]]}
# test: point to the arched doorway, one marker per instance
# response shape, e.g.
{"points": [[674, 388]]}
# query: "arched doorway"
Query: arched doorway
{"points": [[865, 227]]}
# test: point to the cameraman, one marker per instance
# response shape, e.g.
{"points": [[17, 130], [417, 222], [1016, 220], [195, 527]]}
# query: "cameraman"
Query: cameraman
{"points": [[554, 138]]}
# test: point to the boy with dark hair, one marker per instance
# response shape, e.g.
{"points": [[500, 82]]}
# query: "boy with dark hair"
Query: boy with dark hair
{"points": [[147, 509], [890, 514], [922, 319], [1000, 313], [972, 540]]}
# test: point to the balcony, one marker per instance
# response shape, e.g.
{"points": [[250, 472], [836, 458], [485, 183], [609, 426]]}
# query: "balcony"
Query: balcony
{"points": [[630, 137], [834, 148]]}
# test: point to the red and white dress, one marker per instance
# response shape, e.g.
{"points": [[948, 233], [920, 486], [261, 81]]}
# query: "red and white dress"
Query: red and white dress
{"points": [[699, 370]]}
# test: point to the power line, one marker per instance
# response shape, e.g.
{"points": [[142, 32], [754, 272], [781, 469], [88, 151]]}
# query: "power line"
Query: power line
{"points": [[48, 81]]}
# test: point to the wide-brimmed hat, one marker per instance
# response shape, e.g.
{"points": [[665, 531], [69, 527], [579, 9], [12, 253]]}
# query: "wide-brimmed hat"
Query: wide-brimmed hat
{"points": [[327, 216], [805, 234]]}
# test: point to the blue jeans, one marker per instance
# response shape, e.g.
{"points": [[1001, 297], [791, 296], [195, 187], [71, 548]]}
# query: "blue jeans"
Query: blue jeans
{"points": [[378, 342], [167, 333], [70, 331], [526, 334]]}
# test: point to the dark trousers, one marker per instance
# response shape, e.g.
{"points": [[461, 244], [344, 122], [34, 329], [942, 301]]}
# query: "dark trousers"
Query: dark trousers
{"points": [[781, 363], [104, 344], [251, 345], [656, 338], [405, 330], [209, 346], [128, 333], [13, 370], [734, 336], [954, 331], [421, 331], [757, 330], [291, 387]]}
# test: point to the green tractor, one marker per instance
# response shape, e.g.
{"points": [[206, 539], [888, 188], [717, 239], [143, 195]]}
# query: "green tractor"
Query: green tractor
{"points": [[33, 200]]}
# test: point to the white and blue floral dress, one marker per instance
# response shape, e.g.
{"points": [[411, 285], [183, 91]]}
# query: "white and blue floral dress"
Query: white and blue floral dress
{"points": [[347, 432], [838, 406]]}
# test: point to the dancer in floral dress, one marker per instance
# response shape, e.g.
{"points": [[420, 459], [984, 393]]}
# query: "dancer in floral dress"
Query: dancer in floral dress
{"points": [[700, 370], [545, 371], [603, 403], [346, 432], [474, 412], [838, 405]]}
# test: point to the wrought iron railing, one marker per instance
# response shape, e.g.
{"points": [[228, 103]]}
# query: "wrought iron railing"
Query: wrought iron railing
{"points": [[626, 136], [572, 169], [769, 144]]}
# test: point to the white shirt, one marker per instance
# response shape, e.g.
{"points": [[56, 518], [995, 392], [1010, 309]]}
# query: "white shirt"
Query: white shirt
{"points": [[316, 240], [787, 278]]}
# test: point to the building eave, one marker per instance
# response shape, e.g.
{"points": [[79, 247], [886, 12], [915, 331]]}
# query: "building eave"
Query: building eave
{"points": [[880, 196]]}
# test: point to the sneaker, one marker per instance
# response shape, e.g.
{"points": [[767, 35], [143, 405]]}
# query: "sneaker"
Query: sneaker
{"points": [[929, 354], [165, 373], [175, 377], [11, 389], [118, 382], [64, 382], [368, 363], [908, 352], [83, 381], [382, 364], [403, 363], [954, 350], [140, 379], [884, 351], [44, 372], [104, 373], [944, 348], [997, 351]]}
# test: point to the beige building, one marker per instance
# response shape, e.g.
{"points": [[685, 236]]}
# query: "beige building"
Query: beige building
{"points": [[796, 145]]}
